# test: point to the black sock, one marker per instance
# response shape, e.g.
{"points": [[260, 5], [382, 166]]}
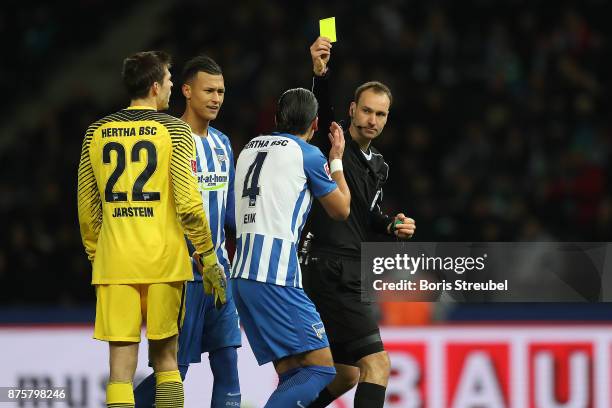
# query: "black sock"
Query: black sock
{"points": [[323, 399], [369, 395]]}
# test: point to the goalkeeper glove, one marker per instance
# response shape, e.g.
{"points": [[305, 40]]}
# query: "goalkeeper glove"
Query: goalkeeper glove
{"points": [[213, 276]]}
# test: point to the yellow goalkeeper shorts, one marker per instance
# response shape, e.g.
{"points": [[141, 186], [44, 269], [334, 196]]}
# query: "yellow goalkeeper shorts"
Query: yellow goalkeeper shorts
{"points": [[120, 310]]}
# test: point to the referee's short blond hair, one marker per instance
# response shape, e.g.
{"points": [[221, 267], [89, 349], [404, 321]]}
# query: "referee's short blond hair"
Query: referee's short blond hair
{"points": [[377, 87]]}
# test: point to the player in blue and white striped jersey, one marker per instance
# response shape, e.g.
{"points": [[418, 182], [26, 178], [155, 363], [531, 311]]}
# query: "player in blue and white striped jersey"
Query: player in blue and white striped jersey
{"points": [[206, 329], [277, 177]]}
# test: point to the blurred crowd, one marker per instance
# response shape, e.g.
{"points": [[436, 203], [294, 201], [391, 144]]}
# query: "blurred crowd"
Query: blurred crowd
{"points": [[37, 34], [499, 131]]}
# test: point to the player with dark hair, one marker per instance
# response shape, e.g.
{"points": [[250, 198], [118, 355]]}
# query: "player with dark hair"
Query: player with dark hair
{"points": [[277, 176], [137, 198], [332, 269], [207, 329]]}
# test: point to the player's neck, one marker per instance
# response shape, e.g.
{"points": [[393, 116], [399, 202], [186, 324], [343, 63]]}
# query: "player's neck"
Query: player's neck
{"points": [[364, 144], [198, 126], [147, 102], [306, 136]]}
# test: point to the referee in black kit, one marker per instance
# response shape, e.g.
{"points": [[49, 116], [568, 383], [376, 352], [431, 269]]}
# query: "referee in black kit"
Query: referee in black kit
{"points": [[332, 268]]}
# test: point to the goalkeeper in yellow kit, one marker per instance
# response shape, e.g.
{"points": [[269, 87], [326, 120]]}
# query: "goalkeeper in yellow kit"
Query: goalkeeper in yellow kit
{"points": [[137, 197]]}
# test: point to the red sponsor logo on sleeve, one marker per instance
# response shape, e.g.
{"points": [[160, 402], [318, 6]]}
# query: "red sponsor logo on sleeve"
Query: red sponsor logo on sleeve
{"points": [[194, 166], [326, 168]]}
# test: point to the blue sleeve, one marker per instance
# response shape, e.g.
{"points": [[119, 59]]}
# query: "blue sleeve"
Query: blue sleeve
{"points": [[230, 206], [317, 172]]}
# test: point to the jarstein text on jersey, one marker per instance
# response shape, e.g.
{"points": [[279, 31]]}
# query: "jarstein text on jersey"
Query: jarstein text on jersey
{"points": [[133, 212], [128, 131]]}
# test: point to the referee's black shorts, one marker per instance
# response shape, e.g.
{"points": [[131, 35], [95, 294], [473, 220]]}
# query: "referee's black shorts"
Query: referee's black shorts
{"points": [[334, 285]]}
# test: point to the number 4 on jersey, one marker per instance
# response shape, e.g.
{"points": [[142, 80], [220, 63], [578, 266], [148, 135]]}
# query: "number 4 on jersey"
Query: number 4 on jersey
{"points": [[252, 190]]}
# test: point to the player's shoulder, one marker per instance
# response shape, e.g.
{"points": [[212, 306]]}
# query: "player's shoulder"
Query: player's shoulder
{"points": [[169, 121], [119, 116], [311, 154], [138, 115], [176, 127], [305, 147], [309, 150], [222, 136]]}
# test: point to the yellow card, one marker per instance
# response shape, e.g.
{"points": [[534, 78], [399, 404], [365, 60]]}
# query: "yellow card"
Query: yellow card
{"points": [[327, 28]]}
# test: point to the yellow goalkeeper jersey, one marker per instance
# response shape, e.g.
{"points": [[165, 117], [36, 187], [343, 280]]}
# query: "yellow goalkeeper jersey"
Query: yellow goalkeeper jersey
{"points": [[138, 196]]}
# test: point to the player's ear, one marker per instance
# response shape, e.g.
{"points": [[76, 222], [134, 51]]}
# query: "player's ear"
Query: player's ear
{"points": [[155, 88], [186, 88], [315, 124]]}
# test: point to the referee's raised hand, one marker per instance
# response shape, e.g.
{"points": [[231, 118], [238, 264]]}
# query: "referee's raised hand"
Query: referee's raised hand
{"points": [[320, 52]]}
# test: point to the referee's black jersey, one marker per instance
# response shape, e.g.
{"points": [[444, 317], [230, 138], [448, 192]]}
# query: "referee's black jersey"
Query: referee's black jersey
{"points": [[365, 175]]}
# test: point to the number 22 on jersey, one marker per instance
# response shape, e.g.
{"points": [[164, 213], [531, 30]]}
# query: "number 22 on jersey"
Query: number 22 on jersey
{"points": [[137, 193]]}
